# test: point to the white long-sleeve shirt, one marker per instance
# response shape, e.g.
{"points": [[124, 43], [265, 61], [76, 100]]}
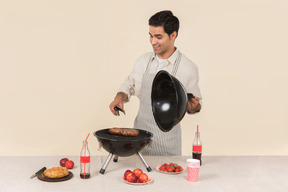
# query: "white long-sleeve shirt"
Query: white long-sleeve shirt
{"points": [[187, 74]]}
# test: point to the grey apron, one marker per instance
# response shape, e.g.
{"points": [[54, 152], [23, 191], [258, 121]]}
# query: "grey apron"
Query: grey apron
{"points": [[163, 143]]}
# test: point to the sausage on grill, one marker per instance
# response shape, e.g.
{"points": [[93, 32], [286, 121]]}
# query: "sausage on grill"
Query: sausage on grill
{"points": [[124, 132]]}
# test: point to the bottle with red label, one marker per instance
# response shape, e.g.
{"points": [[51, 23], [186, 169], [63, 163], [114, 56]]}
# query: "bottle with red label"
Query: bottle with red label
{"points": [[85, 161], [197, 147]]}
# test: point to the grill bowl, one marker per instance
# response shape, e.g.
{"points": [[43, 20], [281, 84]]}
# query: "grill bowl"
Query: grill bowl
{"points": [[123, 146]]}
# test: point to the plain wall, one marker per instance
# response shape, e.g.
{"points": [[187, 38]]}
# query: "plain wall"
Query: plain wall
{"points": [[61, 63]]}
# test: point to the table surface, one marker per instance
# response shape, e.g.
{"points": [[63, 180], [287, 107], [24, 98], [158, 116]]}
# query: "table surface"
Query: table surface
{"points": [[217, 173]]}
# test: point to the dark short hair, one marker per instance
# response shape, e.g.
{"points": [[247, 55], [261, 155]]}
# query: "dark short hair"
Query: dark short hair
{"points": [[166, 19]]}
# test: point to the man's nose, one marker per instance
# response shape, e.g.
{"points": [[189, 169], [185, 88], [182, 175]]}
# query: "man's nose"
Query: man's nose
{"points": [[153, 41]]}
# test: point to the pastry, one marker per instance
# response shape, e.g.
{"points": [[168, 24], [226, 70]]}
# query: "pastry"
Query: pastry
{"points": [[56, 172]]}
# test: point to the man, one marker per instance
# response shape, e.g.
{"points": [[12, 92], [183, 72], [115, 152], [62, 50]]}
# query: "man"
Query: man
{"points": [[163, 30]]}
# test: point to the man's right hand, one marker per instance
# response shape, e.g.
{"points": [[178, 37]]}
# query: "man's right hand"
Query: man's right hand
{"points": [[118, 101]]}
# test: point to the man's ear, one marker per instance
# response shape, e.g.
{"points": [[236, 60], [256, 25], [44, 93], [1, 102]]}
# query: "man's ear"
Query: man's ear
{"points": [[173, 35]]}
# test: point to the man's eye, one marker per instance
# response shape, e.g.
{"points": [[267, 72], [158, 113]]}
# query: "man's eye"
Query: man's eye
{"points": [[159, 37]]}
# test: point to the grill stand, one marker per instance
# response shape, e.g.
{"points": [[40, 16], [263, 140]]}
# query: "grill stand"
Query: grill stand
{"points": [[115, 158], [143, 160], [102, 170]]}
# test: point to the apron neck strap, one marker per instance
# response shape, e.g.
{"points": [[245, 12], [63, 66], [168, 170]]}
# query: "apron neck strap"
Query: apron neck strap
{"points": [[175, 67], [176, 64]]}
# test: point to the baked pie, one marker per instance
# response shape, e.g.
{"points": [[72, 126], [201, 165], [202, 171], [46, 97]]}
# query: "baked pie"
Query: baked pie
{"points": [[56, 172]]}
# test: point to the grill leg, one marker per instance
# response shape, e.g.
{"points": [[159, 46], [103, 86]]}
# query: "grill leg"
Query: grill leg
{"points": [[106, 163], [146, 165], [115, 158]]}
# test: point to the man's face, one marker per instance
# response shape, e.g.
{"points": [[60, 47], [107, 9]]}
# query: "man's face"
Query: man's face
{"points": [[162, 44]]}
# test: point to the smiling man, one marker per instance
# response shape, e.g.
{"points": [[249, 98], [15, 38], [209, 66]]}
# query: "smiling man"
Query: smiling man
{"points": [[163, 30], [162, 43]]}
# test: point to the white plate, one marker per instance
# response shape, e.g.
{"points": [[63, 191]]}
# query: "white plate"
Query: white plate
{"points": [[170, 173], [150, 179]]}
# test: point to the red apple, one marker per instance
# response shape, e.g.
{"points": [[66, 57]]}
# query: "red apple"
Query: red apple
{"points": [[69, 164], [131, 177], [126, 173], [63, 161], [143, 178], [137, 172]]}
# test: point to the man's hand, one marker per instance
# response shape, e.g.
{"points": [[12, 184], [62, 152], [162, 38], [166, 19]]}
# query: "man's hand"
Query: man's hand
{"points": [[193, 105], [118, 101]]}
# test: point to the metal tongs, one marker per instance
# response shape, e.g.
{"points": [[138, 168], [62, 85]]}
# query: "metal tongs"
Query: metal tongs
{"points": [[117, 109], [190, 96]]}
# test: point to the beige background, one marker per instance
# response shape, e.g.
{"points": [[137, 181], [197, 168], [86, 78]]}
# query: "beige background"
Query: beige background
{"points": [[61, 63]]}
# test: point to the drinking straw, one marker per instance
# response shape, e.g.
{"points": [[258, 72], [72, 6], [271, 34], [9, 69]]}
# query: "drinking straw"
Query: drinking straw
{"points": [[87, 137], [85, 144], [85, 154]]}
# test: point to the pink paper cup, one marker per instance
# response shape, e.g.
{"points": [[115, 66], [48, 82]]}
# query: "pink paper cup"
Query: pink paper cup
{"points": [[193, 166]]}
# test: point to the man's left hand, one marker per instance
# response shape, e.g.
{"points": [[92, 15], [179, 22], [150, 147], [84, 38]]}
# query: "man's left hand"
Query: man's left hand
{"points": [[193, 105]]}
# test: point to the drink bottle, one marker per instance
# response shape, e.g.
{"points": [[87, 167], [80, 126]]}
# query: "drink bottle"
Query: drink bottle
{"points": [[197, 147], [85, 161]]}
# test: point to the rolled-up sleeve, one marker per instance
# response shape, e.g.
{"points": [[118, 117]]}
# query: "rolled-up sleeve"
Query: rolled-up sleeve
{"points": [[188, 74], [128, 86], [132, 84]]}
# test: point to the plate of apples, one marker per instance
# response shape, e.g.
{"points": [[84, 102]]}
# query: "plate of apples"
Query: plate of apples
{"points": [[136, 177]]}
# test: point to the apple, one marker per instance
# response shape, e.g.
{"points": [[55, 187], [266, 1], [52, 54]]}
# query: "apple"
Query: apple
{"points": [[137, 172], [126, 173], [63, 161], [69, 164], [131, 177], [143, 178]]}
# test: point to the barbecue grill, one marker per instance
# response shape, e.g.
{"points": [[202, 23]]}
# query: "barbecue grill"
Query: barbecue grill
{"points": [[123, 146]]}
